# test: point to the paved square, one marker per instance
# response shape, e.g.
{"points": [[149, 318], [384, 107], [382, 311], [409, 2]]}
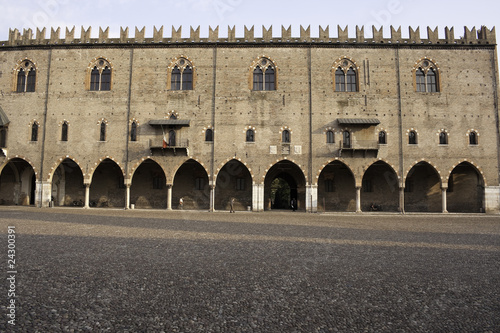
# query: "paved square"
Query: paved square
{"points": [[152, 271]]}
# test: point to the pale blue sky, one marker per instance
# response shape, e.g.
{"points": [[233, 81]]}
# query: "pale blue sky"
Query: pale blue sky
{"points": [[204, 13]]}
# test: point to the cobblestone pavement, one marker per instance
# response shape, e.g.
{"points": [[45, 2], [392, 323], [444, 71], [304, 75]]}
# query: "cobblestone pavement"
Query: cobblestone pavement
{"points": [[156, 271]]}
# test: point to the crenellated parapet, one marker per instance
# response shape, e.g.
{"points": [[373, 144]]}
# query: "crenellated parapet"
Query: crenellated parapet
{"points": [[470, 36]]}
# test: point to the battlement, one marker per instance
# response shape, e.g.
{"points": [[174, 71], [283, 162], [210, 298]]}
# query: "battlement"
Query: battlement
{"points": [[471, 36]]}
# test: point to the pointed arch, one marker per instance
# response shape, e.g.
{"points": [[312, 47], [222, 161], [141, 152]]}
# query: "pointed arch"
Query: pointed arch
{"points": [[67, 180], [466, 188], [181, 74], [288, 178], [423, 183], [148, 185], [345, 75], [233, 180], [99, 76], [380, 187], [18, 182], [107, 186], [336, 187], [426, 75], [25, 76], [191, 183], [142, 160], [263, 74], [56, 164]]}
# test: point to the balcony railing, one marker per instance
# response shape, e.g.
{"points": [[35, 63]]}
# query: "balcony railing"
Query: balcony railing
{"points": [[359, 145], [158, 144]]}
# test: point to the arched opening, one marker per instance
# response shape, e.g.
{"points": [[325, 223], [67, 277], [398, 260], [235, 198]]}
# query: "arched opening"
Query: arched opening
{"points": [[191, 184], [380, 190], [283, 178], [148, 189], [336, 188], [16, 183], [233, 181], [107, 188], [423, 189], [67, 185], [465, 192]]}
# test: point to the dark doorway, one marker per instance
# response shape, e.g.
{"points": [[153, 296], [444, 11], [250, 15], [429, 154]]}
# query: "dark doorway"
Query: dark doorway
{"points": [[284, 181]]}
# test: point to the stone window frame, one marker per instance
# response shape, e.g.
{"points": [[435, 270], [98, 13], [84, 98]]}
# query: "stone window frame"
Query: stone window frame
{"points": [[469, 132], [205, 131], [344, 64], [443, 137], [34, 124], [64, 130], [425, 65], [181, 62], [412, 130], [103, 125], [282, 135], [101, 64], [28, 66], [246, 131], [385, 137], [263, 62]]}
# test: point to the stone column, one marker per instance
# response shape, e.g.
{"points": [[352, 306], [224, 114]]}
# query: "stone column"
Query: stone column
{"points": [[312, 198], [358, 199], [258, 197], [443, 200], [169, 196], [43, 193], [402, 200], [212, 198], [87, 195], [127, 195]]}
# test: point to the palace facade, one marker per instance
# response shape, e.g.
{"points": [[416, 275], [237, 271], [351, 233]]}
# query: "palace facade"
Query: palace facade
{"points": [[344, 123]]}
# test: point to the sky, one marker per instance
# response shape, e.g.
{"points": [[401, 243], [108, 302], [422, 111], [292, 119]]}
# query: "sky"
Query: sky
{"points": [[22, 14]]}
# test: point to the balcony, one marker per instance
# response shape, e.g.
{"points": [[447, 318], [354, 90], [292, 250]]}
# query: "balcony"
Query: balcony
{"points": [[159, 148], [363, 146]]}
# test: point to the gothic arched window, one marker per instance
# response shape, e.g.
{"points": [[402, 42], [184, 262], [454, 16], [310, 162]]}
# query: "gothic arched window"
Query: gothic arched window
{"points": [[443, 138], [133, 131], [426, 76], [346, 76], [181, 75], [250, 137], [264, 75], [209, 135], [25, 77], [412, 138], [382, 138], [330, 138], [285, 136], [64, 131], [100, 72], [34, 131], [473, 138], [102, 135]]}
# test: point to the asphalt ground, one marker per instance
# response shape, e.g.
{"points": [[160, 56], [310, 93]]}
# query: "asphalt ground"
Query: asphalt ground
{"points": [[101, 270]]}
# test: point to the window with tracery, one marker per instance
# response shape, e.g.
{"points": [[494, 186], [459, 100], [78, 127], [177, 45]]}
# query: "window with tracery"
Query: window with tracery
{"points": [[264, 75], [426, 76], [346, 76], [100, 75], [26, 77], [181, 73]]}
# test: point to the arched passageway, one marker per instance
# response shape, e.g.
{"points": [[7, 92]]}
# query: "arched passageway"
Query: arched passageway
{"points": [[380, 190], [148, 189], [423, 189], [465, 192], [67, 185], [336, 188], [233, 181], [284, 182], [107, 188], [17, 183], [191, 184]]}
